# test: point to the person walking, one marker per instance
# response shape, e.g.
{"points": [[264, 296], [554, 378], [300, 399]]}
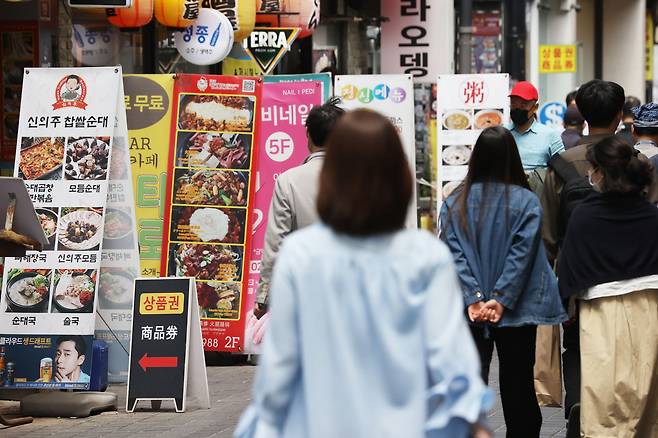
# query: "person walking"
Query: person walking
{"points": [[367, 336], [293, 201], [574, 124], [600, 102], [610, 263], [492, 225], [645, 129]]}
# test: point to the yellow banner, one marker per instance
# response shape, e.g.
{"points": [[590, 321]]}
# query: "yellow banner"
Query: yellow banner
{"points": [[648, 47], [148, 109], [161, 303], [557, 59]]}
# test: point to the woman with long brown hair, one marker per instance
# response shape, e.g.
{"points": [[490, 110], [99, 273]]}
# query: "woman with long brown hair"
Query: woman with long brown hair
{"points": [[366, 337], [492, 226]]}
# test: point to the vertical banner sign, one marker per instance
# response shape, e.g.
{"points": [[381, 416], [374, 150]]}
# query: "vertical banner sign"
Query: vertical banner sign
{"points": [[323, 78], [487, 42], [210, 191], [413, 30], [148, 100], [49, 299], [166, 355], [283, 145], [120, 255], [467, 104], [392, 96]]}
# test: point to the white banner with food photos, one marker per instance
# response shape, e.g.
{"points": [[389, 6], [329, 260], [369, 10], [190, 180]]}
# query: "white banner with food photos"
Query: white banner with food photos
{"points": [[466, 104], [120, 256], [49, 299], [391, 96]]}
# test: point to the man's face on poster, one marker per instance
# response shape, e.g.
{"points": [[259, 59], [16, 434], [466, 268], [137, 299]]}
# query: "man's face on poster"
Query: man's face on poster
{"points": [[72, 84], [67, 360]]}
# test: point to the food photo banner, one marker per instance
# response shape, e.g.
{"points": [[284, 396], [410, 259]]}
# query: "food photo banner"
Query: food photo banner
{"points": [[466, 104], [282, 146], [210, 194], [49, 299], [393, 97]]}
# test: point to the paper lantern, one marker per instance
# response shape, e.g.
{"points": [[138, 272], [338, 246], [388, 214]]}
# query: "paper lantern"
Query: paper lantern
{"points": [[241, 14], [137, 15], [308, 18], [176, 13]]}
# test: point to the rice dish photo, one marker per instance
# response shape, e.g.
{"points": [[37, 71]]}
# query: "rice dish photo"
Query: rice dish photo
{"points": [[42, 159], [216, 113], [488, 118], [208, 262], [219, 300], [226, 151], [210, 187]]}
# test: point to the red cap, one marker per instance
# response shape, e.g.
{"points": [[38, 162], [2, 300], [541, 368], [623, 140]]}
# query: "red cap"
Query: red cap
{"points": [[525, 90]]}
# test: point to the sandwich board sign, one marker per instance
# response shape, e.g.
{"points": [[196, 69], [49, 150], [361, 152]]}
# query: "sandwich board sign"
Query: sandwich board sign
{"points": [[266, 45], [166, 349]]}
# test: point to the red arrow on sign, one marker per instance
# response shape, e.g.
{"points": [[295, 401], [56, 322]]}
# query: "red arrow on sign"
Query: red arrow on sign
{"points": [[157, 362]]}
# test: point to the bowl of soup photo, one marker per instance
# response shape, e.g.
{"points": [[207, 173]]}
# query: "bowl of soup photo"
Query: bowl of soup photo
{"points": [[456, 120], [488, 118]]}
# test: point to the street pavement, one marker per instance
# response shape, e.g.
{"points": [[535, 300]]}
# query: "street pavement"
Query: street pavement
{"points": [[230, 392]]}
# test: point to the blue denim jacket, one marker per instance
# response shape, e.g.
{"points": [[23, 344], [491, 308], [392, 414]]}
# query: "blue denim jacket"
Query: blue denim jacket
{"points": [[502, 255]]}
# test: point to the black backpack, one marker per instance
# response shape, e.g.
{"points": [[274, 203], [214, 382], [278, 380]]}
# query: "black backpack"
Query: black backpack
{"points": [[575, 189]]}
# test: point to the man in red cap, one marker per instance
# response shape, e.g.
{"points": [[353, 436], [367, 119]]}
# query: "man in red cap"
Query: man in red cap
{"points": [[537, 143]]}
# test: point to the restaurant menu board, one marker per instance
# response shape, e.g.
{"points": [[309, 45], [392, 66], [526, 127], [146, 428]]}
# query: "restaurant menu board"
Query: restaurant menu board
{"points": [[49, 299], [148, 100], [210, 191], [120, 254], [466, 104], [282, 146], [393, 97]]}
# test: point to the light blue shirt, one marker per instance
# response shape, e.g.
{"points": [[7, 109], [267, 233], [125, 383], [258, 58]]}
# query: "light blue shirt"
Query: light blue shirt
{"points": [[537, 145], [367, 338]]}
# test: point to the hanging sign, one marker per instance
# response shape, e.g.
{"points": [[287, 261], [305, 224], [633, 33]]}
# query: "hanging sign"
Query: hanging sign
{"points": [[466, 104], [557, 59], [266, 45], [49, 299], [149, 103], [210, 191], [208, 40], [283, 145], [166, 354], [392, 96]]}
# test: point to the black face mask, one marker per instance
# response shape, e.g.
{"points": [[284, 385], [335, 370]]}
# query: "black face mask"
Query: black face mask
{"points": [[519, 116]]}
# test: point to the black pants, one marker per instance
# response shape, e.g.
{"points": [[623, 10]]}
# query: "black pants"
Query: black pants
{"points": [[571, 364], [516, 356]]}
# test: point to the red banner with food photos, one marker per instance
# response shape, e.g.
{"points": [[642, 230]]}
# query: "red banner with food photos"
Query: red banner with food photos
{"points": [[210, 193]]}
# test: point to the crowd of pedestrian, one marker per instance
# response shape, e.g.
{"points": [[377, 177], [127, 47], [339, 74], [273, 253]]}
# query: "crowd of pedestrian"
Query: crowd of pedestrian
{"points": [[381, 331]]}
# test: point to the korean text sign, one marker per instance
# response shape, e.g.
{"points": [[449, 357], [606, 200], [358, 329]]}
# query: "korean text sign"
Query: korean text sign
{"points": [[159, 342], [415, 38], [210, 193], [283, 145], [64, 149], [557, 59], [466, 104], [149, 105]]}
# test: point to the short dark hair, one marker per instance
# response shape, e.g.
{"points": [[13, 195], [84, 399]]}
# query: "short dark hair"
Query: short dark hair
{"points": [[630, 103], [321, 121], [646, 132], [571, 96], [80, 344], [600, 102], [623, 171], [366, 183], [76, 77]]}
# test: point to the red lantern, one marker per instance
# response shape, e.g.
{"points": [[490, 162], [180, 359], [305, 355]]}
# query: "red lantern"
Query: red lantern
{"points": [[137, 15]]}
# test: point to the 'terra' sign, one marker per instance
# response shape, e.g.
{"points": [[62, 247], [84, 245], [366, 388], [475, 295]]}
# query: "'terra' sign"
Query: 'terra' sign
{"points": [[166, 351], [266, 45]]}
